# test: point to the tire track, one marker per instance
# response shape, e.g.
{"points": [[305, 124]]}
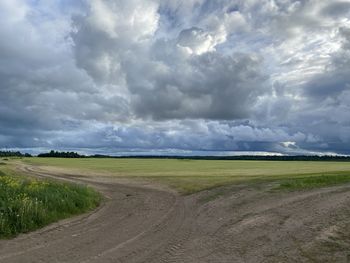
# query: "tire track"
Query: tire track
{"points": [[140, 224], [119, 231]]}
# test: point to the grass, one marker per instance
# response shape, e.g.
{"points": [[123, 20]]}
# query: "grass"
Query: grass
{"points": [[172, 167], [27, 204], [330, 179], [190, 176]]}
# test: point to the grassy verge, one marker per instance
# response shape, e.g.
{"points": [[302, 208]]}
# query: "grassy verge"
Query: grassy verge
{"points": [[317, 181], [28, 204]]}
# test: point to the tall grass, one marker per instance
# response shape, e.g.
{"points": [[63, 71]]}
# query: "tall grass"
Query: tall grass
{"points": [[27, 204]]}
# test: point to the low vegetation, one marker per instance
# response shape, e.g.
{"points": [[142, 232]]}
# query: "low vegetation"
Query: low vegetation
{"points": [[190, 176], [27, 204], [317, 181]]}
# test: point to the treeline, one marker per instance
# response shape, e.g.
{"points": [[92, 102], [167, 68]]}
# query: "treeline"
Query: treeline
{"points": [[273, 158], [241, 157], [61, 154], [58, 154], [13, 154]]}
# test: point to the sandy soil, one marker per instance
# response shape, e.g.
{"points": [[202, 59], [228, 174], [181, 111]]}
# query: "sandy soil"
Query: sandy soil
{"points": [[146, 223]]}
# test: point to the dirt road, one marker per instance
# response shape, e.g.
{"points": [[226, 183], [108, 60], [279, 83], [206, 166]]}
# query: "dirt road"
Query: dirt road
{"points": [[142, 223]]}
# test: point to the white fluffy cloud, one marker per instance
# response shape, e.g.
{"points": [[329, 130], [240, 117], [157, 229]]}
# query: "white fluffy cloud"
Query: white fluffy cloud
{"points": [[132, 19]]}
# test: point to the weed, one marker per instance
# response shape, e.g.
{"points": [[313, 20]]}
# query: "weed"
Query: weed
{"points": [[28, 204]]}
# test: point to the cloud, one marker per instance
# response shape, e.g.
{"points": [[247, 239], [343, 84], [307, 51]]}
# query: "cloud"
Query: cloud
{"points": [[209, 86], [336, 9], [178, 78], [195, 75]]}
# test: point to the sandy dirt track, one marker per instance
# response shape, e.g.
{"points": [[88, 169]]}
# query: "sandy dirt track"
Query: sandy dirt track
{"points": [[141, 223]]}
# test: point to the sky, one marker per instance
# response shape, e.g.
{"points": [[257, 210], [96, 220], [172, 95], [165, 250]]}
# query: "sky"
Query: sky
{"points": [[188, 77]]}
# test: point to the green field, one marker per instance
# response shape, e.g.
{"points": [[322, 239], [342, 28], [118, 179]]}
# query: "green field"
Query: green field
{"points": [[27, 204], [189, 176]]}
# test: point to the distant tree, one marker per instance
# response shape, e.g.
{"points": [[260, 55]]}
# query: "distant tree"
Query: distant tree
{"points": [[57, 154], [13, 154]]}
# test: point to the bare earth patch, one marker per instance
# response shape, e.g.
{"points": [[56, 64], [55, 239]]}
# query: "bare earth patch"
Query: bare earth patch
{"points": [[240, 223]]}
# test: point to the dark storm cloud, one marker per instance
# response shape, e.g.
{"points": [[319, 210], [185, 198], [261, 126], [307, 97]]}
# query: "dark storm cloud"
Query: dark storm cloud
{"points": [[189, 75], [209, 86], [41, 88]]}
